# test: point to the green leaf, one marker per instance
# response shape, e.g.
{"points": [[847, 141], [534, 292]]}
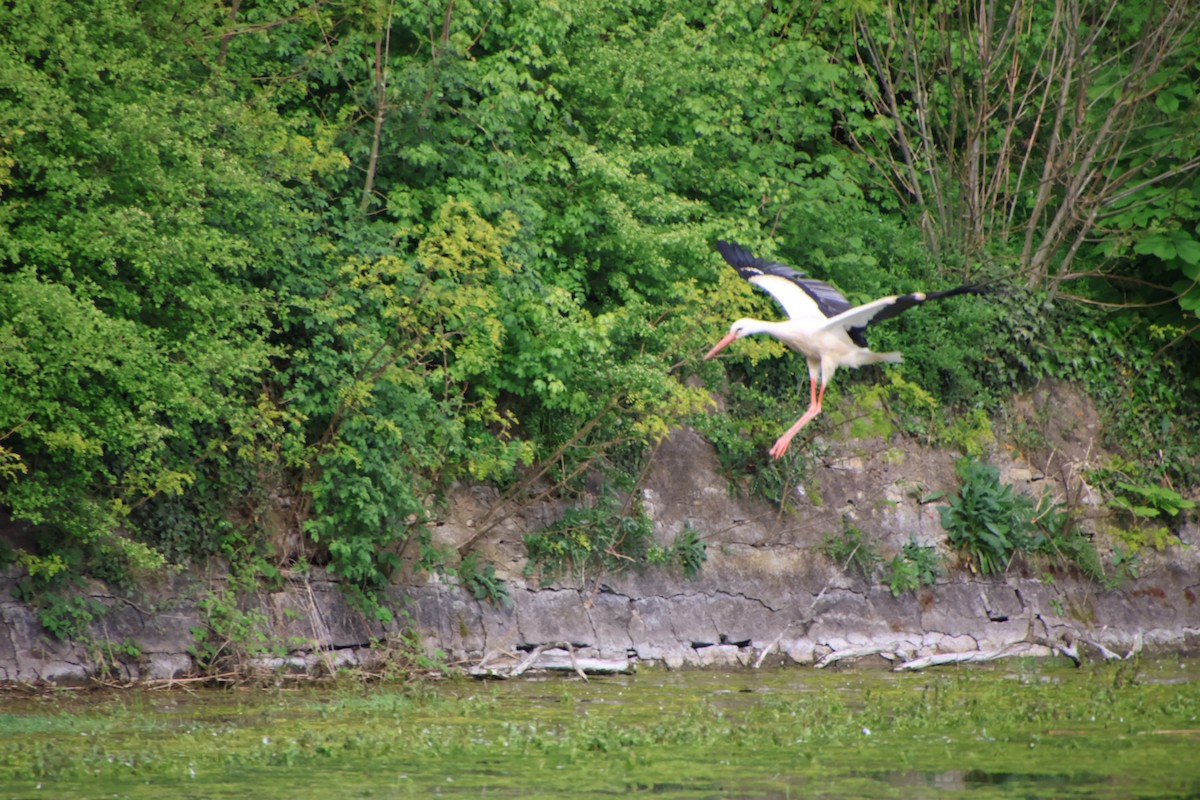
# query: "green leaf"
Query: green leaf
{"points": [[1189, 251], [1166, 102]]}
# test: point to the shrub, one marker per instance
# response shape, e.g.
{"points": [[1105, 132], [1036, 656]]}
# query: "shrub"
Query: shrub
{"points": [[986, 520], [849, 547], [608, 537], [990, 522], [915, 566]]}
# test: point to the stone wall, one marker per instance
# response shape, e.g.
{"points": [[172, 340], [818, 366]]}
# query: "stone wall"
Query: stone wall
{"points": [[764, 597]]}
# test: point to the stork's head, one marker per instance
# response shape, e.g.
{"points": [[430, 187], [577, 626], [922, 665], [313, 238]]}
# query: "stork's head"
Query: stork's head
{"points": [[743, 327]]}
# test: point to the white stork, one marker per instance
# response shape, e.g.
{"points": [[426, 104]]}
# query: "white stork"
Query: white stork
{"points": [[821, 324]]}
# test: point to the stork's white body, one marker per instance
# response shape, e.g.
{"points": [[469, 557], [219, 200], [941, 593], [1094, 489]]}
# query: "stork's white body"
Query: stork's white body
{"points": [[821, 324]]}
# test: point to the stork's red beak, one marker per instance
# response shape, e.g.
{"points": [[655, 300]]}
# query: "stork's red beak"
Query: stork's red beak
{"points": [[729, 337]]}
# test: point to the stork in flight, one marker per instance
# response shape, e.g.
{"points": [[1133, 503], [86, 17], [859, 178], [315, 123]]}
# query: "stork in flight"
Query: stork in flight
{"points": [[821, 324]]}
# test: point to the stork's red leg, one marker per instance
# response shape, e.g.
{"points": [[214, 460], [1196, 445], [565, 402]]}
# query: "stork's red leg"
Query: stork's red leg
{"points": [[781, 445]]}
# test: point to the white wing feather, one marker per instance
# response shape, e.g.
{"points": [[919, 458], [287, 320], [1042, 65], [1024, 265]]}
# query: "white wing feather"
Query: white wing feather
{"points": [[859, 316], [801, 308]]}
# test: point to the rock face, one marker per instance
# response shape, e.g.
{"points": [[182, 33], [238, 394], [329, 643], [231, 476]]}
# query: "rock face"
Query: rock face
{"points": [[765, 596]]}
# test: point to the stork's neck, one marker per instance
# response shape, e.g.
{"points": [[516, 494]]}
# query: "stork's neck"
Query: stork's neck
{"points": [[751, 327], [785, 331]]}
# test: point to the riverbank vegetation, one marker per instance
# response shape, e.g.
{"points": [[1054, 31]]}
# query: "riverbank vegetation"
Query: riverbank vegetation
{"points": [[273, 277]]}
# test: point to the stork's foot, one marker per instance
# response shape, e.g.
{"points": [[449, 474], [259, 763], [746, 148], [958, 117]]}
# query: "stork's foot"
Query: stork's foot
{"points": [[780, 447]]}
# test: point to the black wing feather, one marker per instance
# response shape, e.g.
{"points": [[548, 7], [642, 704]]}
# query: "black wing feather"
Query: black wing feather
{"points": [[906, 301], [828, 299]]}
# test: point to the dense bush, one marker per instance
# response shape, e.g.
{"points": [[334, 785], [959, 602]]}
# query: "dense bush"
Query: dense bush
{"points": [[991, 523], [331, 258]]}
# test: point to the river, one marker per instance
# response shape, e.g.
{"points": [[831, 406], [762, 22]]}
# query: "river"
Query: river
{"points": [[1018, 729]]}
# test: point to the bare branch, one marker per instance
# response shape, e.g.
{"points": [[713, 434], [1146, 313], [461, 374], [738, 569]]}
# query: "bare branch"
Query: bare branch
{"points": [[383, 50], [990, 138]]}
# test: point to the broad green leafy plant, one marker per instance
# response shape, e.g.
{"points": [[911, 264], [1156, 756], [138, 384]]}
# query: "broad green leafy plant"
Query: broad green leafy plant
{"points": [[990, 522]]}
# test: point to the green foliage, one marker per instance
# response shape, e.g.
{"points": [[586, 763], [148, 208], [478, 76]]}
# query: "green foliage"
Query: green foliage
{"points": [[990, 523], [970, 432], [1125, 564], [482, 582], [52, 586], [392, 387], [743, 436], [913, 567], [73, 401], [408, 657], [138, 204], [608, 537], [1058, 537], [68, 617], [850, 546], [320, 259], [690, 551], [126, 649], [230, 631], [880, 408], [108, 657], [233, 623], [1145, 396], [199, 523], [893, 403], [1141, 536], [1148, 502], [1149, 512]]}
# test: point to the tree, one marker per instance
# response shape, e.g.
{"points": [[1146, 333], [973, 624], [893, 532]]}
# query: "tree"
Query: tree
{"points": [[144, 211], [1061, 125]]}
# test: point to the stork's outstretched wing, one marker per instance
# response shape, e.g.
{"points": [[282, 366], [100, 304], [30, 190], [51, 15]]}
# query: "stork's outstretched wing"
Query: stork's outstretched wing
{"points": [[856, 320], [805, 300], [816, 304]]}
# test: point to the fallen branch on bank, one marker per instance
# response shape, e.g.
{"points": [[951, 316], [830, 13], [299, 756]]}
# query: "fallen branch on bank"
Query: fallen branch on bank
{"points": [[975, 656], [887, 650], [553, 656], [774, 643]]}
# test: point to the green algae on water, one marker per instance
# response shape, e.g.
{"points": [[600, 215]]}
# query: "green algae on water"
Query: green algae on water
{"points": [[1020, 729]]}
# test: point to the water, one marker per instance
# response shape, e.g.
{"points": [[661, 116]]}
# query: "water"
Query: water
{"points": [[1027, 729]]}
